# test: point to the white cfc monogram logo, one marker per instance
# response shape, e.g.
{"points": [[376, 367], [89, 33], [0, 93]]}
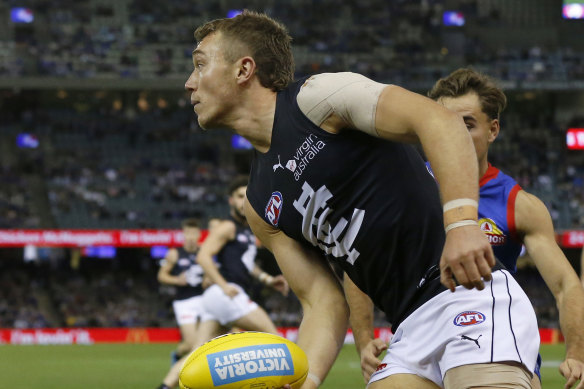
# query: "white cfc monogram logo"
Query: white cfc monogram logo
{"points": [[327, 238]]}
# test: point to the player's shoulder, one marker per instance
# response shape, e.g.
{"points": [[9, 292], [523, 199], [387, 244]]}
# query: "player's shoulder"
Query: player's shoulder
{"points": [[225, 228], [529, 201], [530, 211], [497, 177], [172, 255], [324, 84]]}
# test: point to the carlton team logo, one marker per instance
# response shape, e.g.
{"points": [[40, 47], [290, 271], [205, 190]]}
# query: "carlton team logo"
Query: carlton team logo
{"points": [[494, 233], [469, 318], [274, 208]]}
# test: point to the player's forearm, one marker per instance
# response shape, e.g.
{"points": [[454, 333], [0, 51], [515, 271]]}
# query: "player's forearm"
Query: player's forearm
{"points": [[322, 331], [571, 307], [361, 314], [261, 275], [210, 270], [168, 279], [449, 147]]}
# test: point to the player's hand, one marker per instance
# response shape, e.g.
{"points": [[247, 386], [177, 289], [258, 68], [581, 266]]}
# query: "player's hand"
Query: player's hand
{"points": [[369, 357], [280, 284], [207, 282], [308, 384], [573, 370], [230, 290], [181, 279], [468, 257]]}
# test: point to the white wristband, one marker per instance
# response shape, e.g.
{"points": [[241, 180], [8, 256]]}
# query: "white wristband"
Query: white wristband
{"points": [[461, 223], [314, 378], [265, 278], [459, 203]]}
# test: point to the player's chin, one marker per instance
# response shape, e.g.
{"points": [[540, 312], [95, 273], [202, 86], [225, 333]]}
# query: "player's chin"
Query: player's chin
{"points": [[206, 123]]}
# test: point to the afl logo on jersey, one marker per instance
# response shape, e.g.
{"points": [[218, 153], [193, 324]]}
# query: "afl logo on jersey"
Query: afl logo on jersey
{"points": [[494, 233], [274, 208], [469, 318]]}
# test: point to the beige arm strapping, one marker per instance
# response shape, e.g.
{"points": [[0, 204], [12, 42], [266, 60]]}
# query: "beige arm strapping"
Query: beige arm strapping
{"points": [[351, 96]]}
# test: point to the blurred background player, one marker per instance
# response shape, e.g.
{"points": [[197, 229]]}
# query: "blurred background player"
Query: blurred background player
{"points": [[508, 215], [226, 300], [180, 269], [234, 245]]}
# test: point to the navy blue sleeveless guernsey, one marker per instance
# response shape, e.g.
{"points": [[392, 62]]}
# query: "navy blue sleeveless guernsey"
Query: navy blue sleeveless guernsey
{"points": [[187, 262], [237, 258], [368, 204]]}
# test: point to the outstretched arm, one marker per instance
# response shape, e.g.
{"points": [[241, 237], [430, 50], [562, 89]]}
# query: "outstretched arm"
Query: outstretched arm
{"points": [[278, 282], [350, 101], [361, 319], [534, 222], [164, 273], [403, 115], [325, 312], [218, 237]]}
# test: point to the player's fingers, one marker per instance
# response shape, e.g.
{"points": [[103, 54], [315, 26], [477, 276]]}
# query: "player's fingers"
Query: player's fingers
{"points": [[366, 377], [446, 278], [571, 381], [484, 269], [574, 372], [285, 289], [380, 346], [490, 256], [460, 274], [368, 367], [474, 277], [566, 371]]}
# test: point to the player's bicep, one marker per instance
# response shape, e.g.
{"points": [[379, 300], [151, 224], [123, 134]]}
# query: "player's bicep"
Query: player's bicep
{"points": [[169, 261], [217, 238], [404, 116], [535, 224]]}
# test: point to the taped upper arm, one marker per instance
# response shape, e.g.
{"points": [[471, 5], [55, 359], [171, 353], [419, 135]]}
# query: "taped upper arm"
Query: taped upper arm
{"points": [[350, 96]]}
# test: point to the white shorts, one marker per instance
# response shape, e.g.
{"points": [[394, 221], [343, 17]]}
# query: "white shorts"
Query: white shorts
{"points": [[465, 327], [225, 309], [189, 311]]}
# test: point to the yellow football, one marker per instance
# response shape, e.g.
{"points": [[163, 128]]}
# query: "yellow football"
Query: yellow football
{"points": [[245, 360]]}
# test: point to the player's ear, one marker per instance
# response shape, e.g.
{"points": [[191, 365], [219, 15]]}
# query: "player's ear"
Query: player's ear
{"points": [[245, 69], [494, 130]]}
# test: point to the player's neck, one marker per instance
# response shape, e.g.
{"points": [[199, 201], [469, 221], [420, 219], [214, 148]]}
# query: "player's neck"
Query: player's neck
{"points": [[254, 117], [483, 167], [238, 218], [191, 250]]}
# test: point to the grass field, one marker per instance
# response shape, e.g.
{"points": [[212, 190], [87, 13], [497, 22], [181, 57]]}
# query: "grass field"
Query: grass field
{"points": [[129, 366]]}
